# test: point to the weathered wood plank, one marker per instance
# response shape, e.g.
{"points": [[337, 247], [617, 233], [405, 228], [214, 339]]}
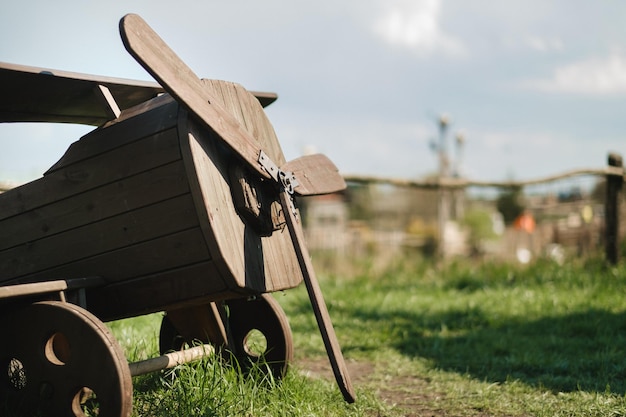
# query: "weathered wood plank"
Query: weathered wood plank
{"points": [[149, 118], [192, 284], [11, 291], [105, 168], [126, 229], [98, 203], [143, 258]]}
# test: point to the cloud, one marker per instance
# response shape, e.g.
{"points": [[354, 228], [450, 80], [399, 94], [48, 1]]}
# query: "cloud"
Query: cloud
{"points": [[544, 44], [593, 76], [416, 25]]}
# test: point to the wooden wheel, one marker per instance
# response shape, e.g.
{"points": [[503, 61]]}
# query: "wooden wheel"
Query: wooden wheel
{"points": [[57, 359], [259, 333], [257, 330]]}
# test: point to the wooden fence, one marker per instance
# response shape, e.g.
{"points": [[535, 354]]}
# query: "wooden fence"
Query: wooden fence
{"points": [[613, 172]]}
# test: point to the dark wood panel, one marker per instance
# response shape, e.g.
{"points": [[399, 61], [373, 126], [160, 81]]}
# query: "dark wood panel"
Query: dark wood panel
{"points": [[126, 229], [95, 204], [140, 156], [154, 117], [47, 95], [191, 284], [158, 255]]}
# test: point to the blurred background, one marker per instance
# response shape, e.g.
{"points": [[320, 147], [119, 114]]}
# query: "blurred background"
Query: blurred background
{"points": [[418, 90]]}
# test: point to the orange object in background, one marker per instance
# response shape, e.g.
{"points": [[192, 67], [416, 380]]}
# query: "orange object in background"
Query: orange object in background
{"points": [[525, 222]]}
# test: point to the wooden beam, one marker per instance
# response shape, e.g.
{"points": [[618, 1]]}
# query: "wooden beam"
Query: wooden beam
{"points": [[170, 360]]}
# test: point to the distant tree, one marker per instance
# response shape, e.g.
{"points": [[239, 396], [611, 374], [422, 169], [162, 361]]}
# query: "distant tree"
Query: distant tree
{"points": [[509, 204], [359, 202], [599, 191], [479, 225]]}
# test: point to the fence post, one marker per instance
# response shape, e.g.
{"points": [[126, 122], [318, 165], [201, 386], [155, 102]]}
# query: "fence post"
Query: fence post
{"points": [[611, 209]]}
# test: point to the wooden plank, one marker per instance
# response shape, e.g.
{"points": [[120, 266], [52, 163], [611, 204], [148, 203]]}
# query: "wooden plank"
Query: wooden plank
{"points": [[154, 118], [167, 252], [190, 284], [108, 101], [89, 240], [106, 168], [139, 190], [12, 291]]}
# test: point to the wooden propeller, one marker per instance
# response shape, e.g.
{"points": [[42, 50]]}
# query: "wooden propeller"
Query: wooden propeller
{"points": [[308, 175]]}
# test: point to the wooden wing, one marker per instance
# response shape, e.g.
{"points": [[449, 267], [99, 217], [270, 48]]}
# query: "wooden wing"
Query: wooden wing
{"points": [[31, 94]]}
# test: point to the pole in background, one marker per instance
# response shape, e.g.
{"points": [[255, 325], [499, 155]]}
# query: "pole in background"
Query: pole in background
{"points": [[444, 172], [614, 185]]}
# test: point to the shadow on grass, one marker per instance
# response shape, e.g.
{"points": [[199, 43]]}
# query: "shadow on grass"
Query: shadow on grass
{"points": [[580, 351]]}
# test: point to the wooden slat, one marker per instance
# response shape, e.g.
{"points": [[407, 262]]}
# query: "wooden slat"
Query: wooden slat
{"points": [[72, 179], [11, 291], [95, 204], [126, 229], [173, 288], [108, 101], [156, 116], [143, 258]]}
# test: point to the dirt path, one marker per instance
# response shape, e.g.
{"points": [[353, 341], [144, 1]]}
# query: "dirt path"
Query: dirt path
{"points": [[407, 394]]}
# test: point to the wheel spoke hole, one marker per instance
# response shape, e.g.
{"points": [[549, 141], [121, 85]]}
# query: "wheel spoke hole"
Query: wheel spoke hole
{"points": [[57, 349], [255, 343], [85, 403], [16, 374]]}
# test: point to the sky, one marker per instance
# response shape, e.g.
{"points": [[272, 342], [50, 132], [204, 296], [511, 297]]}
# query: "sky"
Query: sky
{"points": [[533, 87]]}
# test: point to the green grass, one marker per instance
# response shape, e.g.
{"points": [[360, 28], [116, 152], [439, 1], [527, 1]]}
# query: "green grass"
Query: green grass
{"points": [[465, 338], [210, 387]]}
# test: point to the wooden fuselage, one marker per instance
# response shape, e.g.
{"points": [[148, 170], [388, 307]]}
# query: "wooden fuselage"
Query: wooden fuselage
{"points": [[146, 203]]}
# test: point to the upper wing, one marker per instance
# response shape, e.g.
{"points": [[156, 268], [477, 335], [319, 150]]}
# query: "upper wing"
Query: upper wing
{"points": [[31, 94]]}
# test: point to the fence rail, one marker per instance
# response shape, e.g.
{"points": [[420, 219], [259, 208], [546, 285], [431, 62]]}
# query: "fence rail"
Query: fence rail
{"points": [[457, 183], [613, 172]]}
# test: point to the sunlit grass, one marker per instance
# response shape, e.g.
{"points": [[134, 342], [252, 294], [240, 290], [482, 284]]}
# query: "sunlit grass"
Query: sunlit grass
{"points": [[465, 338]]}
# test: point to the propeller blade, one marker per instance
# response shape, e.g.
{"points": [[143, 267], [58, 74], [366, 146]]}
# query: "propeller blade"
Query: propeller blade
{"points": [[337, 362], [316, 175], [181, 82]]}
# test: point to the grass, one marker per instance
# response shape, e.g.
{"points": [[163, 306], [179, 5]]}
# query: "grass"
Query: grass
{"points": [[464, 338]]}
